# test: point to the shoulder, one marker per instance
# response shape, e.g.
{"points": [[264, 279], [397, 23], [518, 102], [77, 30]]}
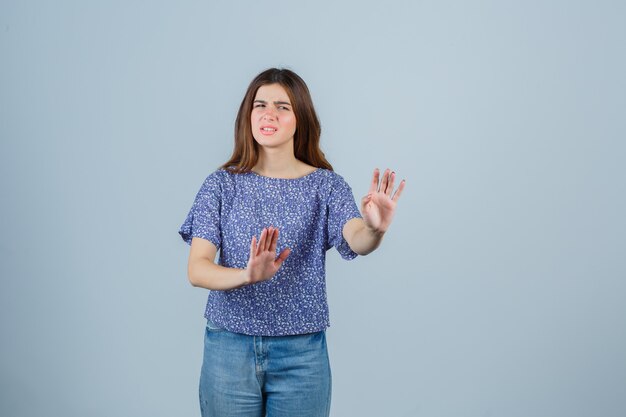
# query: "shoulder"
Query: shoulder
{"points": [[220, 174], [328, 175], [217, 182], [221, 177], [333, 179], [331, 186]]}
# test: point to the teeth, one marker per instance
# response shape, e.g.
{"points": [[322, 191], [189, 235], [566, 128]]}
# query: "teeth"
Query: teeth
{"points": [[269, 129]]}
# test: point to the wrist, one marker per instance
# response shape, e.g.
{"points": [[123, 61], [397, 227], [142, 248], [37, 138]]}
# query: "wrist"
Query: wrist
{"points": [[374, 232], [244, 277]]}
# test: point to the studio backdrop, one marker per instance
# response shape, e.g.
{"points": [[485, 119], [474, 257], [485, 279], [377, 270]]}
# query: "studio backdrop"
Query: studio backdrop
{"points": [[500, 288]]}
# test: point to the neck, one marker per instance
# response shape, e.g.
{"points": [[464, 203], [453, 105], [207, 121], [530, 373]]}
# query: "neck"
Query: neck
{"points": [[272, 165], [279, 163]]}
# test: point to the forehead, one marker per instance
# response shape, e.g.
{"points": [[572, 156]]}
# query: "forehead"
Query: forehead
{"points": [[272, 92]]}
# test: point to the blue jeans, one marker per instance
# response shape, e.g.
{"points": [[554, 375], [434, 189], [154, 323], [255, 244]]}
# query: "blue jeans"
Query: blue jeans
{"points": [[256, 376]]}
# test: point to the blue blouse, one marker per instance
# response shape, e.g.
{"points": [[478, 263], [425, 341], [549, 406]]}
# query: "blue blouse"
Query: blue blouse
{"points": [[310, 213]]}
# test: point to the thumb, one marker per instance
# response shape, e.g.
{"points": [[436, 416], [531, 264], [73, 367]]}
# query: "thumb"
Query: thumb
{"points": [[366, 200], [282, 257]]}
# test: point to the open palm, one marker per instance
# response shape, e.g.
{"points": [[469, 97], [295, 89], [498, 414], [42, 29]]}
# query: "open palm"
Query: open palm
{"points": [[379, 205], [263, 263]]}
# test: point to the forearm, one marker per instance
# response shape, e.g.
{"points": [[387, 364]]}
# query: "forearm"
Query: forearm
{"points": [[361, 238], [204, 273]]}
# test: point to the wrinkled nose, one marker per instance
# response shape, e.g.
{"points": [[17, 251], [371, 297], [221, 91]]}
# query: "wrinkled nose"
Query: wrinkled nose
{"points": [[269, 115]]}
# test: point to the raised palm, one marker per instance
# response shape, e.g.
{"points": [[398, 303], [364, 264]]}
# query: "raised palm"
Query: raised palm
{"points": [[379, 205], [263, 263]]}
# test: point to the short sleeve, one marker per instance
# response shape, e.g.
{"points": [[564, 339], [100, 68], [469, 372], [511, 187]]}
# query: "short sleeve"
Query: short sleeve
{"points": [[203, 219], [341, 208]]}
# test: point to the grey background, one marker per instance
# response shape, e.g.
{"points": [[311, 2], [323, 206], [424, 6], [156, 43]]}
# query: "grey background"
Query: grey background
{"points": [[499, 291]]}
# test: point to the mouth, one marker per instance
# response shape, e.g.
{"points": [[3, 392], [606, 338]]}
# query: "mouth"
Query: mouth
{"points": [[268, 130]]}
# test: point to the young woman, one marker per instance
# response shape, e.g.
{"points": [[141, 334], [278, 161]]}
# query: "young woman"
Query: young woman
{"points": [[272, 211]]}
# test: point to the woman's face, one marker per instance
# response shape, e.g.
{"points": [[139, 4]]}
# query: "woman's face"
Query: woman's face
{"points": [[272, 118]]}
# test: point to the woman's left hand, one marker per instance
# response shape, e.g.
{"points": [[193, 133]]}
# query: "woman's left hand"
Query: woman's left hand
{"points": [[379, 205]]}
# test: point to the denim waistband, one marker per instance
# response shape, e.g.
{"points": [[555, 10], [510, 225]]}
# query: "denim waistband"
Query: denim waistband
{"points": [[212, 326]]}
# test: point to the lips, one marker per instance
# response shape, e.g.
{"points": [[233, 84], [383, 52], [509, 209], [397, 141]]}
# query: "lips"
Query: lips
{"points": [[268, 130]]}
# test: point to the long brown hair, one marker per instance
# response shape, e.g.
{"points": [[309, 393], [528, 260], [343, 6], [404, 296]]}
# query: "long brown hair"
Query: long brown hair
{"points": [[308, 129]]}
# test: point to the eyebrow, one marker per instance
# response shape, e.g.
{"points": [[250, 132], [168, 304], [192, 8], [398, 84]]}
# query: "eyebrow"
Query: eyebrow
{"points": [[276, 102]]}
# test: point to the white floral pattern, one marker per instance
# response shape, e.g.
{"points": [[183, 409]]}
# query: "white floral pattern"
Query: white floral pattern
{"points": [[310, 213]]}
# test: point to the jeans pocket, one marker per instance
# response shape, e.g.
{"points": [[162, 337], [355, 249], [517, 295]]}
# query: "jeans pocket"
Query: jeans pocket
{"points": [[212, 327]]}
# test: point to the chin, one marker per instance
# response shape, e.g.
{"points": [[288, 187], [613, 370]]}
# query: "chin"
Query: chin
{"points": [[272, 143]]}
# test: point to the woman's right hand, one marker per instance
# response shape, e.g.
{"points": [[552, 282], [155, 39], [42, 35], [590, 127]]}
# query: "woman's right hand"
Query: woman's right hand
{"points": [[263, 263]]}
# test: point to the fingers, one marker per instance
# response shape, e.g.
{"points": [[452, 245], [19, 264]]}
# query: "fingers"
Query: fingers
{"points": [[389, 189], [387, 184], [261, 245], [270, 237], [396, 195], [384, 182], [274, 241], [268, 241], [374, 184], [253, 247]]}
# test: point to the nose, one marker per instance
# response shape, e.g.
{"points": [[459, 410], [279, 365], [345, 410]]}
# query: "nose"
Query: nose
{"points": [[269, 114]]}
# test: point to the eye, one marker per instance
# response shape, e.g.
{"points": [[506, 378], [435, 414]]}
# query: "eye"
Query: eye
{"points": [[283, 108], [259, 105]]}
